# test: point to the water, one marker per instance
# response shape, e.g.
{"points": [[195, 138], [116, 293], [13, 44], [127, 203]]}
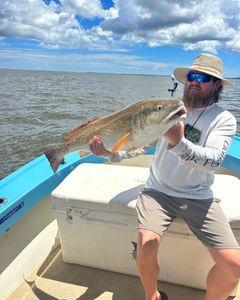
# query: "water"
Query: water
{"points": [[38, 108]]}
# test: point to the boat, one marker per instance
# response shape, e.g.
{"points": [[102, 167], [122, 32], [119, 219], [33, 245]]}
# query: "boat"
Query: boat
{"points": [[63, 235]]}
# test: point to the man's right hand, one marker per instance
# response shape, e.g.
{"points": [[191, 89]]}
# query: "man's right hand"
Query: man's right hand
{"points": [[96, 146]]}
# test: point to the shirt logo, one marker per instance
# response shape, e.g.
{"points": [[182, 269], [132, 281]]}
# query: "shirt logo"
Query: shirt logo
{"points": [[192, 134]]}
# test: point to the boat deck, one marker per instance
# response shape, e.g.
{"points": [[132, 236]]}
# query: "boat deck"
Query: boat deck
{"points": [[37, 244], [54, 279]]}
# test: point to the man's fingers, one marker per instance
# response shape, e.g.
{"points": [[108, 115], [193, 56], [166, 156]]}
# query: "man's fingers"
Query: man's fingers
{"points": [[96, 146]]}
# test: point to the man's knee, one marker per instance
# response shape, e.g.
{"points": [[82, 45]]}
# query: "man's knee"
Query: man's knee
{"points": [[231, 262]]}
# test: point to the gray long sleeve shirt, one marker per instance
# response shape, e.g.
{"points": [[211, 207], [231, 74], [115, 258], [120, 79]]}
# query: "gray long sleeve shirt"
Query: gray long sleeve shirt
{"points": [[187, 169]]}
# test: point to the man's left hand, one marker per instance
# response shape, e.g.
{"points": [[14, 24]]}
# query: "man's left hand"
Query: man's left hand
{"points": [[175, 133]]}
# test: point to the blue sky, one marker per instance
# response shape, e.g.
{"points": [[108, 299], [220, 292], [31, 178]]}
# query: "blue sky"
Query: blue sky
{"points": [[119, 36]]}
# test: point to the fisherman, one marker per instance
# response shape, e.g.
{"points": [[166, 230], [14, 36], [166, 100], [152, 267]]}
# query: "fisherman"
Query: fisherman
{"points": [[180, 180]]}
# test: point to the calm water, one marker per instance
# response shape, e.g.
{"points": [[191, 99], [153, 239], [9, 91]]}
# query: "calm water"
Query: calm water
{"points": [[38, 108]]}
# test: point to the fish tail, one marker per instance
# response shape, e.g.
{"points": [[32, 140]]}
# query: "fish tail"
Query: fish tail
{"points": [[55, 157]]}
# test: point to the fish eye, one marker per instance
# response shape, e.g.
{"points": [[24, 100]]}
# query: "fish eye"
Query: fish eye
{"points": [[159, 107]]}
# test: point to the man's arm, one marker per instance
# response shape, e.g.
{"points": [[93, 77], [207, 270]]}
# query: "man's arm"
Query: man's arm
{"points": [[97, 147], [206, 158]]}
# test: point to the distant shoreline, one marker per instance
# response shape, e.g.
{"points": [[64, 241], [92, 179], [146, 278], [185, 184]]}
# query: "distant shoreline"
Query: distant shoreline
{"points": [[114, 73], [84, 72]]}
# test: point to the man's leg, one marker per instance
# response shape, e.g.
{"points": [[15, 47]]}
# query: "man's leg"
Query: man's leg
{"points": [[224, 276], [148, 263], [156, 211]]}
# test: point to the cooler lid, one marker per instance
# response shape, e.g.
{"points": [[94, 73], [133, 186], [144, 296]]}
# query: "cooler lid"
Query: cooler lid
{"points": [[96, 185]]}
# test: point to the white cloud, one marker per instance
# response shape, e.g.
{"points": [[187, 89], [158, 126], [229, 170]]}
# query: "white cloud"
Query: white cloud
{"points": [[234, 44], [87, 9], [54, 26], [204, 25], [32, 19]]}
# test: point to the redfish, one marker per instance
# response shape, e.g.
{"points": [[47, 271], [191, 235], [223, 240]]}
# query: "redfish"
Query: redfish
{"points": [[132, 127]]}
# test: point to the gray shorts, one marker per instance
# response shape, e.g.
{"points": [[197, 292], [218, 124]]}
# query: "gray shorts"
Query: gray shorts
{"points": [[205, 218]]}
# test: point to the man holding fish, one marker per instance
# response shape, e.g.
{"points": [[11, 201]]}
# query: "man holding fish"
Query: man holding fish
{"points": [[180, 180]]}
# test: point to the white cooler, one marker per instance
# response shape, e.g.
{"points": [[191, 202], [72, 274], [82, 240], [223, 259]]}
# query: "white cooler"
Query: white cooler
{"points": [[95, 211]]}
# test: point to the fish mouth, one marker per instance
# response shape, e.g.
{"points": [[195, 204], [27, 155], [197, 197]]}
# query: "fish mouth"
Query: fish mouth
{"points": [[180, 113]]}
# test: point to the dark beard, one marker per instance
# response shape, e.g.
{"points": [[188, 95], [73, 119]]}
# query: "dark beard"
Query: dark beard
{"points": [[197, 100]]}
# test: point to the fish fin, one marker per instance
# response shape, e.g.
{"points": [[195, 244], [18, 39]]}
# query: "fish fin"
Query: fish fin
{"points": [[54, 158], [84, 153], [121, 142], [71, 134]]}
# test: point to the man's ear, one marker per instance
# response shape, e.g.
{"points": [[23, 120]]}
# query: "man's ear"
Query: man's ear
{"points": [[218, 85]]}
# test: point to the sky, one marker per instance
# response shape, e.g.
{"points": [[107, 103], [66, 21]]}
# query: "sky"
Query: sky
{"points": [[118, 36]]}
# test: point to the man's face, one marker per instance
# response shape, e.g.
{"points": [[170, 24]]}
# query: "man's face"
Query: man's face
{"points": [[199, 94]]}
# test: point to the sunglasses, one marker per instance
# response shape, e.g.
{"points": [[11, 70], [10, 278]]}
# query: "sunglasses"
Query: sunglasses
{"points": [[200, 78]]}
